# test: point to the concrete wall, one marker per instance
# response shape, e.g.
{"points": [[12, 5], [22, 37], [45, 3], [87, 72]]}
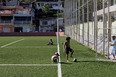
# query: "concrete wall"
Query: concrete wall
{"points": [[74, 30], [28, 34]]}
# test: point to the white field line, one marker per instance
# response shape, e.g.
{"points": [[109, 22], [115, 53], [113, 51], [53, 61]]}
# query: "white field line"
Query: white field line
{"points": [[106, 60], [28, 64], [31, 47], [59, 64], [11, 43]]}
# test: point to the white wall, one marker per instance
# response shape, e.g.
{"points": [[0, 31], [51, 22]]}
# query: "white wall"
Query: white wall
{"points": [[100, 28], [114, 28]]}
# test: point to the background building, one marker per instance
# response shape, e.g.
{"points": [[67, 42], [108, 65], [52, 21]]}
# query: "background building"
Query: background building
{"points": [[16, 17], [46, 15]]}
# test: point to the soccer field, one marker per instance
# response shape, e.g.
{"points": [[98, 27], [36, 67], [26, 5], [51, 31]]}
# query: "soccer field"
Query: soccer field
{"points": [[31, 57]]}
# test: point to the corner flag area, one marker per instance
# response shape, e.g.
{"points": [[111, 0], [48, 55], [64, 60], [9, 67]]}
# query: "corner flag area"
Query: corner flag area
{"points": [[31, 57]]}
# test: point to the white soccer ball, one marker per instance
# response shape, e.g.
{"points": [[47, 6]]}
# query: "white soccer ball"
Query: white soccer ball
{"points": [[74, 60]]}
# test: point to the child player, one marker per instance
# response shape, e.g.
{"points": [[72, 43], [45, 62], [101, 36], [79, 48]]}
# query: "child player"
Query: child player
{"points": [[51, 42], [114, 47], [55, 58], [67, 48]]}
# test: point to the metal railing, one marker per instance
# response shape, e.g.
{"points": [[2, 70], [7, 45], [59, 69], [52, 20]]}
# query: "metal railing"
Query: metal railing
{"points": [[22, 12], [5, 22], [6, 12], [22, 22]]}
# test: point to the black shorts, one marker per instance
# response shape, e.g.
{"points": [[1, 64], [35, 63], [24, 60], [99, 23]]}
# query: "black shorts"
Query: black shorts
{"points": [[68, 49]]}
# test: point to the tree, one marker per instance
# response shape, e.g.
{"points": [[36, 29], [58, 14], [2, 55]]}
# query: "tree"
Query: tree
{"points": [[45, 9], [32, 27]]}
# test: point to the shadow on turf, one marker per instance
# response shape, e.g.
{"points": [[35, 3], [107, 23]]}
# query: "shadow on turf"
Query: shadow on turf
{"points": [[86, 61], [65, 63]]}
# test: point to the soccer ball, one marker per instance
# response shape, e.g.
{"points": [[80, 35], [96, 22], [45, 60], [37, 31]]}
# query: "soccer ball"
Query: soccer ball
{"points": [[74, 60]]}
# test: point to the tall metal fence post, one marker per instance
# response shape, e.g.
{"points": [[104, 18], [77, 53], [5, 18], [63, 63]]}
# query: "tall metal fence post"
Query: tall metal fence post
{"points": [[108, 14], [88, 21], [76, 21], [71, 19], [94, 22], [79, 19], [83, 22], [96, 27], [103, 27]]}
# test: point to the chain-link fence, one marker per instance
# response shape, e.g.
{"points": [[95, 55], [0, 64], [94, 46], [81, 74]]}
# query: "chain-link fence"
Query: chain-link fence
{"points": [[91, 22]]}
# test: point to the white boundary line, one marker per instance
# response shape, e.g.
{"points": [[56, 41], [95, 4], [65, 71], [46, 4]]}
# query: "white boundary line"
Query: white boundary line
{"points": [[28, 64], [31, 47], [108, 60], [59, 64], [11, 43]]}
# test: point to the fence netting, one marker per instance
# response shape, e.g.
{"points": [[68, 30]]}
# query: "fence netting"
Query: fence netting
{"points": [[92, 23]]}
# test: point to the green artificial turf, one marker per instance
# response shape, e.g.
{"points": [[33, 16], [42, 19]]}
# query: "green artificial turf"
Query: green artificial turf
{"points": [[86, 65], [34, 50], [28, 71]]}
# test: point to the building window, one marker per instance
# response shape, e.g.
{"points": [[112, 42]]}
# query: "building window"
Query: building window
{"points": [[114, 2], [39, 4], [44, 23], [42, 4]]}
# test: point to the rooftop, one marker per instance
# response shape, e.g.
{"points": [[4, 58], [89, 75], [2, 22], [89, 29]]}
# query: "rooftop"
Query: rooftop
{"points": [[47, 0], [11, 7]]}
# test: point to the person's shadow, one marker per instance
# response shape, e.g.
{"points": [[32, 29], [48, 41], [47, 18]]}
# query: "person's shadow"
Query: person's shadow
{"points": [[86, 61], [65, 63]]}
